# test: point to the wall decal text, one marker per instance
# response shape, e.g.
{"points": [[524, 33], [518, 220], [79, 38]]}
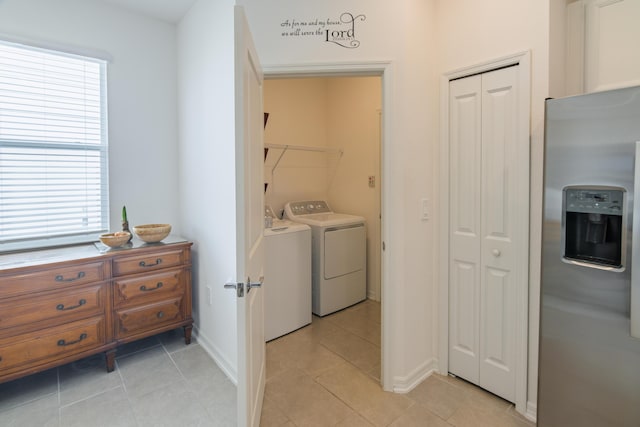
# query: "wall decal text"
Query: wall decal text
{"points": [[340, 31]]}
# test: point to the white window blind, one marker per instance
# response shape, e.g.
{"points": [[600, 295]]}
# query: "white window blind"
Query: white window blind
{"points": [[53, 148]]}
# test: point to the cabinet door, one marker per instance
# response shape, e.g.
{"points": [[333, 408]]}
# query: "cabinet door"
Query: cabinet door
{"points": [[611, 38], [483, 193]]}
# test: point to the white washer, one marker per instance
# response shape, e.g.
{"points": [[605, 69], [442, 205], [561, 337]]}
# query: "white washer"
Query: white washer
{"points": [[287, 277], [339, 248]]}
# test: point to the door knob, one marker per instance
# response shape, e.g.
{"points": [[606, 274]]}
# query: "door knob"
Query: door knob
{"points": [[239, 286], [254, 285], [496, 253]]}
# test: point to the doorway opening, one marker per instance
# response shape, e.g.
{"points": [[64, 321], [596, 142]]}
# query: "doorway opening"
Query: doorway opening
{"points": [[342, 114]]}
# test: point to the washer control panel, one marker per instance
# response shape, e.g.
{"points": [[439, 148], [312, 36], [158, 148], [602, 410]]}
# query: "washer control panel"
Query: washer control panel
{"points": [[308, 207]]}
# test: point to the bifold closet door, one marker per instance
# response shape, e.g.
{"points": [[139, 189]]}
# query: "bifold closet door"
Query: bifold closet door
{"points": [[483, 197]]}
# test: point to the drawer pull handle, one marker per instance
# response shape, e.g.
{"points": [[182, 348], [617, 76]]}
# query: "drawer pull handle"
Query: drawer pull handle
{"points": [[160, 315], [143, 288], [61, 307], [60, 277], [144, 264], [63, 343]]}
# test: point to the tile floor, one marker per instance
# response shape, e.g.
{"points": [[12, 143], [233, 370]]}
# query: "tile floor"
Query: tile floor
{"points": [[158, 381], [326, 374]]}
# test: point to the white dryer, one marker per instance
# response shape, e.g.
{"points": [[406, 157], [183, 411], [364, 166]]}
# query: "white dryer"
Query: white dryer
{"points": [[287, 277], [339, 255]]}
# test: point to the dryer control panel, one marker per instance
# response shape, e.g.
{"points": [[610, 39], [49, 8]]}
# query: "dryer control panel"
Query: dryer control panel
{"points": [[307, 207]]}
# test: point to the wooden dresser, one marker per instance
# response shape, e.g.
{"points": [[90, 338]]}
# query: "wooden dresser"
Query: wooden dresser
{"points": [[60, 305]]}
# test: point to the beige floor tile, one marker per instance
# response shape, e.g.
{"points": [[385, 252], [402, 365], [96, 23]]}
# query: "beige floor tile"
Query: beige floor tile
{"points": [[354, 349], [473, 415], [320, 327], [481, 398], [277, 361], [361, 322], [296, 351], [316, 359], [512, 412], [472, 389], [369, 309], [479, 407], [375, 372], [419, 416], [364, 395], [272, 416], [440, 397], [354, 420], [304, 401]]}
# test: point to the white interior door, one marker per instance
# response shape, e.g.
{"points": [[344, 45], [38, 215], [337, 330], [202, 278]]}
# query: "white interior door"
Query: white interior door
{"points": [[249, 238], [484, 200]]}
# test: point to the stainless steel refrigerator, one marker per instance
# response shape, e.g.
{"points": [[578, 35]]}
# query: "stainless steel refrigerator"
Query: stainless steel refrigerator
{"points": [[589, 361]]}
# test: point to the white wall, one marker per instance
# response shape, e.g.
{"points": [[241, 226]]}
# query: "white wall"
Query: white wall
{"points": [[472, 32], [207, 170], [143, 173], [557, 46], [401, 33], [354, 107], [297, 116]]}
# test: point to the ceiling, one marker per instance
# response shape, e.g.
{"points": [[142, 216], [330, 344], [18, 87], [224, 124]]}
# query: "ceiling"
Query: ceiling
{"points": [[165, 10]]}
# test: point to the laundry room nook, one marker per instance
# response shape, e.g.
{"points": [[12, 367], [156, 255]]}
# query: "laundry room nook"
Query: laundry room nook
{"points": [[322, 143]]}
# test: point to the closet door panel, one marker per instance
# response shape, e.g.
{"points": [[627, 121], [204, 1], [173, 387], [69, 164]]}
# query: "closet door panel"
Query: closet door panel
{"points": [[465, 235], [499, 203], [463, 330]]}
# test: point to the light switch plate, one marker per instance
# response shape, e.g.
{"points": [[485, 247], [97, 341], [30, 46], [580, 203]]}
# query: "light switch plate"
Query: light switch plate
{"points": [[424, 209]]}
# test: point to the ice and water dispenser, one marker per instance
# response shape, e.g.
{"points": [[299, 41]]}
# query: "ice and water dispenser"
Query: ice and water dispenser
{"points": [[594, 233]]}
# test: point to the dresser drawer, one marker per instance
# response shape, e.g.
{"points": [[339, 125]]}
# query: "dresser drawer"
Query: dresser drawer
{"points": [[148, 262], [52, 309], [150, 287], [148, 317], [52, 278], [61, 341]]}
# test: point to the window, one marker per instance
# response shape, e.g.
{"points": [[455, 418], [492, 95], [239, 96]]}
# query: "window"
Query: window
{"points": [[53, 148]]}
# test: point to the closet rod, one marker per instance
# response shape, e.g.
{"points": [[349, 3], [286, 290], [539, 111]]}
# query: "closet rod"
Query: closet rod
{"points": [[303, 148], [286, 147]]}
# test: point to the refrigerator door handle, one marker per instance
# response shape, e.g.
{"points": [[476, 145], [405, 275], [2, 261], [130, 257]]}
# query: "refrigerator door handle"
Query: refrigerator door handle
{"points": [[635, 261]]}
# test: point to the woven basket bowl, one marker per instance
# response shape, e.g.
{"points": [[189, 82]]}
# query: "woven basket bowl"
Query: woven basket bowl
{"points": [[152, 233], [113, 241]]}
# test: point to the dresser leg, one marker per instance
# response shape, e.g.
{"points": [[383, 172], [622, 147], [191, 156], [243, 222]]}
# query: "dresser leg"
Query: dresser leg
{"points": [[187, 334], [111, 360]]}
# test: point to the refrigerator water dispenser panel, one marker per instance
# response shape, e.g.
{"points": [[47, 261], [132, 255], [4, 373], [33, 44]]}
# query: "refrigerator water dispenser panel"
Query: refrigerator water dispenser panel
{"points": [[593, 229]]}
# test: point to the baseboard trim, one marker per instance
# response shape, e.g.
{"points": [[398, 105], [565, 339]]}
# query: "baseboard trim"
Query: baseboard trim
{"points": [[532, 411], [217, 357], [407, 383]]}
